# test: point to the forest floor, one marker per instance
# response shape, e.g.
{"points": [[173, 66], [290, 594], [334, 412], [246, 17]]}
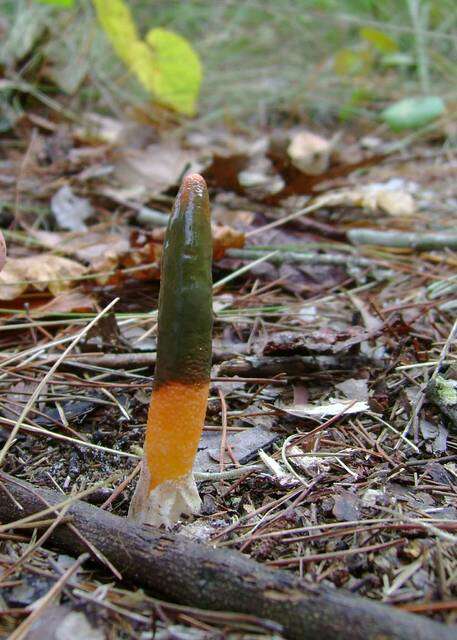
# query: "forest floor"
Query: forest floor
{"points": [[330, 445]]}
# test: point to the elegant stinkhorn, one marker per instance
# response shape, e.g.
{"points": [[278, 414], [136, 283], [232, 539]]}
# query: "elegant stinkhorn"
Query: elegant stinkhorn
{"points": [[166, 488]]}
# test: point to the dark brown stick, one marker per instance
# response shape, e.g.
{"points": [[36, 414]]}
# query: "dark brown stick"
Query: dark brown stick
{"points": [[176, 568], [252, 367]]}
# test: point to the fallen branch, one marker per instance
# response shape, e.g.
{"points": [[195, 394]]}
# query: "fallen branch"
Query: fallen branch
{"points": [[176, 568], [252, 367], [123, 360], [293, 257], [403, 240]]}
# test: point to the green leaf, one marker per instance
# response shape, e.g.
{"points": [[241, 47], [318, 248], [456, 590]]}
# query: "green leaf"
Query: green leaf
{"points": [[412, 113], [383, 42], [346, 62], [117, 23], [349, 62], [179, 71], [65, 4], [165, 64]]}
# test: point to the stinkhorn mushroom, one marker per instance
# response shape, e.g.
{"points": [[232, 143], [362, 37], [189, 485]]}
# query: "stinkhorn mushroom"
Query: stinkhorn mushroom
{"points": [[166, 488]]}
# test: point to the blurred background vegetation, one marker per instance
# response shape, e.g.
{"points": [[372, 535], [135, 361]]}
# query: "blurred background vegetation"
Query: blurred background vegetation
{"points": [[263, 60]]}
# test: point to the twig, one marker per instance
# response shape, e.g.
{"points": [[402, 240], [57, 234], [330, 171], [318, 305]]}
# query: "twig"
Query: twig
{"points": [[46, 378], [333, 555], [22, 630], [444, 352], [403, 240], [176, 567], [321, 202]]}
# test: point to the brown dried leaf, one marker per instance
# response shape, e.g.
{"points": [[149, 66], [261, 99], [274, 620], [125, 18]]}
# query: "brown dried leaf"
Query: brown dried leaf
{"points": [[157, 168], [66, 302], [225, 237], [224, 170], [44, 271], [100, 249]]}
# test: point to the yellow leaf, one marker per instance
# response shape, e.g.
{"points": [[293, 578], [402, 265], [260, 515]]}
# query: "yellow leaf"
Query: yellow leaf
{"points": [[179, 76], [165, 64], [381, 40], [118, 24]]}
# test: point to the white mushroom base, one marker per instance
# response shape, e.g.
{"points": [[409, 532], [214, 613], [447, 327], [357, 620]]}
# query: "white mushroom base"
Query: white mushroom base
{"points": [[166, 503]]}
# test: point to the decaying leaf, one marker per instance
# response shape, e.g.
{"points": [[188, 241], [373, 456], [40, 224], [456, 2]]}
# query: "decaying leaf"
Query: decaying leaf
{"points": [[299, 182], [374, 198], [310, 153], [41, 272], [311, 465], [346, 506], [70, 211], [100, 249], [65, 302], [156, 168], [354, 388], [225, 237], [332, 408], [104, 251]]}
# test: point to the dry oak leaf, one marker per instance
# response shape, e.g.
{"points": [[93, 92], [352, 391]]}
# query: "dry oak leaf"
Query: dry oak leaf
{"points": [[225, 237], [43, 271], [99, 248]]}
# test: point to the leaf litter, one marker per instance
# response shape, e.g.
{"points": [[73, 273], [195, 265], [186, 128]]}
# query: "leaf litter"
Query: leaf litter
{"points": [[324, 353]]}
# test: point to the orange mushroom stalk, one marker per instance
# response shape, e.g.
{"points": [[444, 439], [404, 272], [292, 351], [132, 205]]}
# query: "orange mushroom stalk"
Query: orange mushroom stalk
{"points": [[166, 488]]}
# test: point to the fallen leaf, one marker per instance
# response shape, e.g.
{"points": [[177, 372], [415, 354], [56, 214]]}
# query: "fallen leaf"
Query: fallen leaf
{"points": [[224, 171], [332, 408], [354, 388], [70, 211], [165, 63], [346, 507], [244, 445], [225, 237], [273, 465], [396, 203], [66, 302], [310, 153], [16, 397], [297, 182], [374, 198], [44, 271], [102, 250], [311, 465], [156, 168]]}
